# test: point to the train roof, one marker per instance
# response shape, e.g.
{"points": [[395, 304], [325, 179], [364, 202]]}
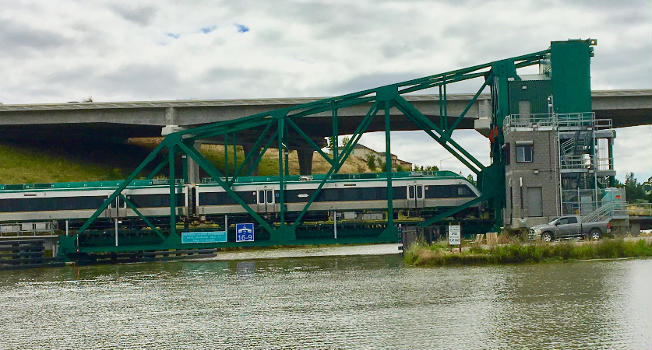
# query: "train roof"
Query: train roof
{"points": [[344, 177], [240, 180]]}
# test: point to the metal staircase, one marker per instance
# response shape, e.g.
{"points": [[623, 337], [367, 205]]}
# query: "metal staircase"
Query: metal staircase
{"points": [[615, 212], [608, 211]]}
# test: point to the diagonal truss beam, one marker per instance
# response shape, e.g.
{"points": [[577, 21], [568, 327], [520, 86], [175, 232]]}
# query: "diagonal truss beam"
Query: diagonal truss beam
{"points": [[150, 157], [453, 211], [457, 122], [348, 148], [253, 152], [213, 172], [440, 136], [143, 217], [309, 141]]}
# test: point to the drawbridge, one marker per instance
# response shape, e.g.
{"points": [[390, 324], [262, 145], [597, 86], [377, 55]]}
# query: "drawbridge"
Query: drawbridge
{"points": [[282, 129]]}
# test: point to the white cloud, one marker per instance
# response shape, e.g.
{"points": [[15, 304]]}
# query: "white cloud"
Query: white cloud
{"points": [[66, 50], [632, 151]]}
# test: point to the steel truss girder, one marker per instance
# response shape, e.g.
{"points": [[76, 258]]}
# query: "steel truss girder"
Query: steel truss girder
{"points": [[384, 97]]}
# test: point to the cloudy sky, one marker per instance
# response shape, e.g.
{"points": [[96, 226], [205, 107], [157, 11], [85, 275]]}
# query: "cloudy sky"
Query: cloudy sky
{"points": [[58, 51]]}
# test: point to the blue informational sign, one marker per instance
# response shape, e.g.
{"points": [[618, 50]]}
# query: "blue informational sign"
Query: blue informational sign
{"points": [[244, 232], [203, 237]]}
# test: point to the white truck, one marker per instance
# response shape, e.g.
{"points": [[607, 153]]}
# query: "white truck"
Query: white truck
{"points": [[570, 226]]}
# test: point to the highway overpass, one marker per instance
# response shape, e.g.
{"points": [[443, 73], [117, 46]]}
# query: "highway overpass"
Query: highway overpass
{"points": [[147, 118], [121, 120]]}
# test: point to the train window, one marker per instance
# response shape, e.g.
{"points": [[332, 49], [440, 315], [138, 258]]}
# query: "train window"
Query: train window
{"points": [[419, 191], [52, 203], [463, 191], [439, 191], [368, 193], [399, 192], [261, 196], [270, 198], [163, 200], [327, 195], [411, 192]]}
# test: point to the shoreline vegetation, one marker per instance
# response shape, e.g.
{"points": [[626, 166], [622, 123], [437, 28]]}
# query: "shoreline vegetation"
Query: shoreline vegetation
{"points": [[439, 254]]}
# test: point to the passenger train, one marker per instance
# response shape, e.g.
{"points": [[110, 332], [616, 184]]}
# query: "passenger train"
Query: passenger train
{"points": [[357, 196]]}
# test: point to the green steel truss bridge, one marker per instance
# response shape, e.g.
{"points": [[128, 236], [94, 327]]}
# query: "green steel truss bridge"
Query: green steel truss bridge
{"points": [[567, 64]]}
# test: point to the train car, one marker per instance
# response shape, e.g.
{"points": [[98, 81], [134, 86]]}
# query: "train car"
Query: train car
{"points": [[357, 196], [347, 193], [79, 200]]}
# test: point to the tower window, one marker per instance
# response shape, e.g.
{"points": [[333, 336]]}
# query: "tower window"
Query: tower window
{"points": [[524, 153]]}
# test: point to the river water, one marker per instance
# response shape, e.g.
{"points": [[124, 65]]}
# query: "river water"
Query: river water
{"points": [[333, 302]]}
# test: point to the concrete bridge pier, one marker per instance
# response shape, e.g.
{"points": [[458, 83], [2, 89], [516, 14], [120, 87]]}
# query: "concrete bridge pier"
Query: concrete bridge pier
{"points": [[305, 155], [193, 167], [172, 126]]}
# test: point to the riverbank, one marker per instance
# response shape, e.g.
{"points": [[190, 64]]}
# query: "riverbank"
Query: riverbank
{"points": [[304, 252], [438, 254]]}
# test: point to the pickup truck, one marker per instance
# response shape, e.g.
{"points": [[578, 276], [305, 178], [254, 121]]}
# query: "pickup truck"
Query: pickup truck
{"points": [[570, 226]]}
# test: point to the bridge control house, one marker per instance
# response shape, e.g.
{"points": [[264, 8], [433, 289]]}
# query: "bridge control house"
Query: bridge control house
{"points": [[558, 157]]}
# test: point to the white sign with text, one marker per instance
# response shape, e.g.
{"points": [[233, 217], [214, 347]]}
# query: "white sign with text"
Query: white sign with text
{"points": [[454, 236]]}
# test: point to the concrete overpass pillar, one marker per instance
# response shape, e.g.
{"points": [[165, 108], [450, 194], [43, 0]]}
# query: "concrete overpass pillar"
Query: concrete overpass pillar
{"points": [[305, 160], [483, 123], [193, 167], [170, 127], [170, 116], [247, 148]]}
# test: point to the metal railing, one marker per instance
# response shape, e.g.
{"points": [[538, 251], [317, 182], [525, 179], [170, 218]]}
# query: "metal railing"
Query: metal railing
{"points": [[608, 211], [602, 124], [554, 120], [26, 229], [581, 162], [604, 164]]}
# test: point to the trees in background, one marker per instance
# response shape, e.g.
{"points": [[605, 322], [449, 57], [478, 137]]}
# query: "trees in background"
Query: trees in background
{"points": [[635, 191], [372, 162], [426, 168]]}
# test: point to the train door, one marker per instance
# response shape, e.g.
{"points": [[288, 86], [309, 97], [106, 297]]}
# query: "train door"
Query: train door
{"points": [[415, 196], [117, 204], [265, 200]]}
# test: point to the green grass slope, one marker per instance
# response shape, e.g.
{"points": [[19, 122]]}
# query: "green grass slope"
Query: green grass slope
{"points": [[46, 162]]}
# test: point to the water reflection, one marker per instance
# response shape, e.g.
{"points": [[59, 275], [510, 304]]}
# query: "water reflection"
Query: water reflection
{"points": [[356, 302]]}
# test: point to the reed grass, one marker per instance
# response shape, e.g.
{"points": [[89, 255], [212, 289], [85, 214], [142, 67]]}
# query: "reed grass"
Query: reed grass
{"points": [[437, 254]]}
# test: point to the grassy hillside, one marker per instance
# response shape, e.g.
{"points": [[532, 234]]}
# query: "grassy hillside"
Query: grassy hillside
{"points": [[90, 161]]}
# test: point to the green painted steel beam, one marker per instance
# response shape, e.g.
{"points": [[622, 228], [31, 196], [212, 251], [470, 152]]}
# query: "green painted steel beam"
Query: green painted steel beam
{"points": [[253, 151], [436, 83], [388, 164], [143, 217], [309, 141], [437, 138], [173, 190], [409, 110], [346, 151], [260, 155], [122, 186], [335, 131], [451, 211], [158, 169], [449, 132], [215, 174], [281, 171]]}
